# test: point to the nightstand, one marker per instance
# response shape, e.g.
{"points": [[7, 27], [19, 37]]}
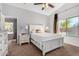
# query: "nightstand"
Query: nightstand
{"points": [[23, 38]]}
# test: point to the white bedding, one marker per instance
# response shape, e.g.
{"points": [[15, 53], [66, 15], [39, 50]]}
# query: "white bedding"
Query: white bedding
{"points": [[40, 37], [44, 41]]}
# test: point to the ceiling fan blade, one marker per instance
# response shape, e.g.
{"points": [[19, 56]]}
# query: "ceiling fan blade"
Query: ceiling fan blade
{"points": [[50, 5], [37, 3], [43, 8]]}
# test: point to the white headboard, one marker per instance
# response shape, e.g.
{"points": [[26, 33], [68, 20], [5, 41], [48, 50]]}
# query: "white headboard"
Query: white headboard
{"points": [[32, 27]]}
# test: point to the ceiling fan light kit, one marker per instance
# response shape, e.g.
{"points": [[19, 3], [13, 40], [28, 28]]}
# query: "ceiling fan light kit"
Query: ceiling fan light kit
{"points": [[44, 5]]}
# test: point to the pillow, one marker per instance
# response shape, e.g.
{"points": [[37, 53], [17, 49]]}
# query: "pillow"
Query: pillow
{"points": [[33, 31], [42, 30], [38, 30]]}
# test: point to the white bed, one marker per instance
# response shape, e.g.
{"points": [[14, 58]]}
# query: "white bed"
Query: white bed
{"points": [[45, 41]]}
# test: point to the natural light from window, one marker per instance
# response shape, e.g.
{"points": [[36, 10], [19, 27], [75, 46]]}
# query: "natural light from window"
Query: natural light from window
{"points": [[9, 27], [70, 26]]}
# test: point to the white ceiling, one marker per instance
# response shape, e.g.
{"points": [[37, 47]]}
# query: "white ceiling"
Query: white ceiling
{"points": [[37, 8]]}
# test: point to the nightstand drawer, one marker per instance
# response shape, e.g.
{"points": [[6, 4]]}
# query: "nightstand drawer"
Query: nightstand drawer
{"points": [[22, 41]]}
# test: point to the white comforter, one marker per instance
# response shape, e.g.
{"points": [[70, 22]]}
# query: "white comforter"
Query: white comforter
{"points": [[40, 37]]}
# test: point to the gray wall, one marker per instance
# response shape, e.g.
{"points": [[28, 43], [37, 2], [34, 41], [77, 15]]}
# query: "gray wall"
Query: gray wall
{"points": [[24, 16], [68, 10], [0, 7], [12, 35], [0, 15], [51, 21], [71, 10]]}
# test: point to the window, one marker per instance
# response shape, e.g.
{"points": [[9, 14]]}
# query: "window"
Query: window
{"points": [[9, 27], [70, 26], [63, 26], [73, 27]]}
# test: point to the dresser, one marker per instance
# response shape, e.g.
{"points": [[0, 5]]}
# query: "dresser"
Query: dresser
{"points": [[3, 43]]}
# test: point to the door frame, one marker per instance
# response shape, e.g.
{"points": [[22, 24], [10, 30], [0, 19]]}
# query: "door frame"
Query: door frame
{"points": [[16, 24]]}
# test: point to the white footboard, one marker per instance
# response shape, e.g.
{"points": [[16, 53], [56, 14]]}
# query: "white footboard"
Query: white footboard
{"points": [[51, 45]]}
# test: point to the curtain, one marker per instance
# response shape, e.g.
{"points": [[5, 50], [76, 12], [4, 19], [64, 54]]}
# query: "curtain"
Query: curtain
{"points": [[55, 23]]}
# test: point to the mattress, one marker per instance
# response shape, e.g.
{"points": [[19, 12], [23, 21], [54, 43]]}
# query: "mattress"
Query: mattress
{"points": [[40, 37]]}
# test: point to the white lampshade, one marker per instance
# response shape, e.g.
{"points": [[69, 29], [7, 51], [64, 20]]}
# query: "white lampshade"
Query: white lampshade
{"points": [[26, 27], [47, 28]]}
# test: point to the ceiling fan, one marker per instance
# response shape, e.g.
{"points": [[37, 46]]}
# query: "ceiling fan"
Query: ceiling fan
{"points": [[44, 5]]}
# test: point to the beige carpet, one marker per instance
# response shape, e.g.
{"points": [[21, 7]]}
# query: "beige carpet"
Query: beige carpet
{"points": [[31, 50]]}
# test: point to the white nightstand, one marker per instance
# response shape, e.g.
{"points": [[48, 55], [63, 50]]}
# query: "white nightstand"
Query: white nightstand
{"points": [[23, 38]]}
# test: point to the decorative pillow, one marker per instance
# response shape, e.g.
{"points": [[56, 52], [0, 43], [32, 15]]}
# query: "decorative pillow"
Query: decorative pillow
{"points": [[33, 31], [38, 30], [42, 30]]}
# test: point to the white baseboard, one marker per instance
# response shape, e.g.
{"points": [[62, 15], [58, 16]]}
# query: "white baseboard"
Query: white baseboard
{"points": [[72, 41]]}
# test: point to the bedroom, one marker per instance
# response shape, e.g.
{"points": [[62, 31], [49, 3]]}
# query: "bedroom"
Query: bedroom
{"points": [[33, 15]]}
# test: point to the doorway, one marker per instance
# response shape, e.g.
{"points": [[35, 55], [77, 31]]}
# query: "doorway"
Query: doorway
{"points": [[11, 27]]}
